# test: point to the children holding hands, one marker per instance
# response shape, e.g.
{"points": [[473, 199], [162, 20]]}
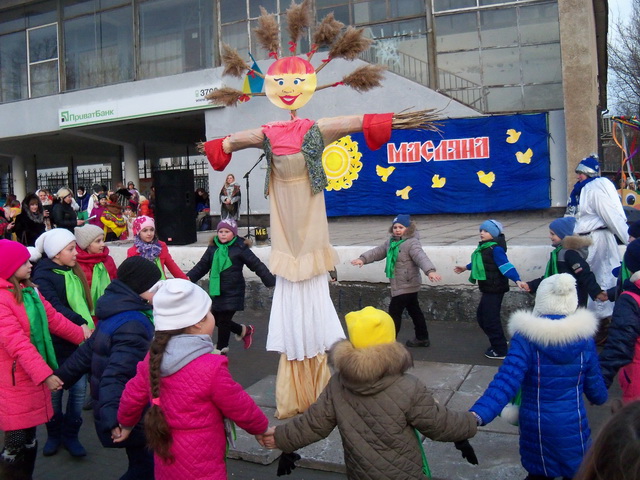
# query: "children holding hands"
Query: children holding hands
{"points": [[191, 391], [27, 359], [491, 268], [376, 405], [405, 258]]}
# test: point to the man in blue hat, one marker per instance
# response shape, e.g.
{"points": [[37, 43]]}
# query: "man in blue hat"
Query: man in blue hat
{"points": [[599, 214]]}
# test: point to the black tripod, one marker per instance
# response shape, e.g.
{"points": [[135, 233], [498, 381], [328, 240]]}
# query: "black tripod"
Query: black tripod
{"points": [[246, 177]]}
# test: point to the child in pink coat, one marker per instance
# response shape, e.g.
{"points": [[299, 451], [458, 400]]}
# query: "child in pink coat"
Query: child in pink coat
{"points": [[147, 245], [27, 359], [190, 390]]}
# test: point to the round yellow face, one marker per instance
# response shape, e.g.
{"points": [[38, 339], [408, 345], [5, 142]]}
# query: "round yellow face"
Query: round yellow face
{"points": [[290, 90]]}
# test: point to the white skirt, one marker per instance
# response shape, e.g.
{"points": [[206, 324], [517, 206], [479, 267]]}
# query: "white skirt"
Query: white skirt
{"points": [[303, 321]]}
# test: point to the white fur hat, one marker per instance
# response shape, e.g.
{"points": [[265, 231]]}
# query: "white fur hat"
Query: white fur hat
{"points": [[556, 295], [51, 243], [178, 303]]}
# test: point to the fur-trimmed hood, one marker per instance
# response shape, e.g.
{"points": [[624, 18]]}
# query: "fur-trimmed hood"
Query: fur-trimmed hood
{"points": [[577, 242], [561, 337], [411, 231], [367, 371]]}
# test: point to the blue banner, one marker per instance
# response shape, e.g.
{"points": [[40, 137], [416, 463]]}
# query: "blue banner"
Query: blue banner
{"points": [[483, 164]]}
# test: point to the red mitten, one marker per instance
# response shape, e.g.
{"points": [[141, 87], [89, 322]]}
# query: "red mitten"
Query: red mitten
{"points": [[216, 155], [377, 129]]}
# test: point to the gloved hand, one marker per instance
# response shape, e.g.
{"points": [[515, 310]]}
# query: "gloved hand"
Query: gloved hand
{"points": [[467, 451], [287, 463]]}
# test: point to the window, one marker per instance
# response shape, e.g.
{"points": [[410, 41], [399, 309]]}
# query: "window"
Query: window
{"points": [[176, 36], [99, 48], [42, 57], [506, 56]]}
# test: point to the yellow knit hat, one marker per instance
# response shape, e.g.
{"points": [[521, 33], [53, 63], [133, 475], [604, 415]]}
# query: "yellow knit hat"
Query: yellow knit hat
{"points": [[369, 327]]}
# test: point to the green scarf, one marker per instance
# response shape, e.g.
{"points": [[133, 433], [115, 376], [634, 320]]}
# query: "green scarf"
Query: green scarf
{"points": [[99, 282], [159, 265], [221, 262], [392, 257], [39, 325], [76, 296], [625, 273], [477, 266], [552, 264]]}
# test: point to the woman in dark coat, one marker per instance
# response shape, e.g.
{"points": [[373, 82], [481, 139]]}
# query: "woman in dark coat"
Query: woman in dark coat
{"points": [[224, 260], [30, 222], [63, 214]]}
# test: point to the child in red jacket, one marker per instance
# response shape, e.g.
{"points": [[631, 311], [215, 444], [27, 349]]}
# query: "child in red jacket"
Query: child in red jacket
{"points": [[147, 245], [27, 360], [191, 391]]}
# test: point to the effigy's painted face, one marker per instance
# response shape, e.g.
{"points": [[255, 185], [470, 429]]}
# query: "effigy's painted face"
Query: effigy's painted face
{"points": [[290, 90]]}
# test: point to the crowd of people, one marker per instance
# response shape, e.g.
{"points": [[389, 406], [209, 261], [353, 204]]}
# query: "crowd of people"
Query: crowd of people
{"points": [[139, 343]]}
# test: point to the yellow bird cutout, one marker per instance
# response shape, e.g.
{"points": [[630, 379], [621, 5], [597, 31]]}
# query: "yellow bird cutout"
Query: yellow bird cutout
{"points": [[384, 173], [524, 157], [437, 182], [513, 136], [404, 193], [486, 178]]}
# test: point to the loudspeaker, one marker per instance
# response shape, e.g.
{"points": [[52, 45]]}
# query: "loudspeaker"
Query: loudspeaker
{"points": [[175, 208]]}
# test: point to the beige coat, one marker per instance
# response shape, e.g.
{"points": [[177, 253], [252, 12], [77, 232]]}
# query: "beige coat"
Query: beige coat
{"points": [[411, 259], [376, 406]]}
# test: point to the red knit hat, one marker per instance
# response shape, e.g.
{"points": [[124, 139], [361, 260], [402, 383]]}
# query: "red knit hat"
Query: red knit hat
{"points": [[13, 256]]}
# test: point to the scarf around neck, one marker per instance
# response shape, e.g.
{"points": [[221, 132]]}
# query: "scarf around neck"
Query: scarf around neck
{"points": [[220, 262], [150, 251], [477, 265], [574, 197], [76, 295], [34, 217], [39, 326], [100, 280], [552, 264], [392, 256]]}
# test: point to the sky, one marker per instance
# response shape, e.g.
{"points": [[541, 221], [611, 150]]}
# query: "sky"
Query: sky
{"points": [[618, 9]]}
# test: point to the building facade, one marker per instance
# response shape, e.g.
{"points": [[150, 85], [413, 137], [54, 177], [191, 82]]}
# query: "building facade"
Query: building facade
{"points": [[122, 82]]}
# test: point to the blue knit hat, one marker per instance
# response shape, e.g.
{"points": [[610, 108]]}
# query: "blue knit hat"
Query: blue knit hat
{"points": [[634, 230], [563, 227], [589, 166], [632, 256], [493, 227], [403, 219]]}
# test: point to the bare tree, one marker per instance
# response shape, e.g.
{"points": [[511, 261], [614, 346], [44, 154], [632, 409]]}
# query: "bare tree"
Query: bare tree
{"points": [[624, 63]]}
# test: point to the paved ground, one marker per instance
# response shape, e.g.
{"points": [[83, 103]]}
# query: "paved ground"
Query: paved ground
{"points": [[452, 343]]}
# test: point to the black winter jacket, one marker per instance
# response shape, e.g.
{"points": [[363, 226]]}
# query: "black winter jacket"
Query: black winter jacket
{"points": [[496, 282], [232, 284], [52, 287], [27, 229], [64, 216], [121, 340], [572, 260]]}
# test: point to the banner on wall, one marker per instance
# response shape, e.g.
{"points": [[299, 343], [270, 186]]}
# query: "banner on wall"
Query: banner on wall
{"points": [[483, 164]]}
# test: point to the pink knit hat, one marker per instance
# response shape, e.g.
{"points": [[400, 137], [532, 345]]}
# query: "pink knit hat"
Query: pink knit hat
{"points": [[141, 222], [13, 256]]}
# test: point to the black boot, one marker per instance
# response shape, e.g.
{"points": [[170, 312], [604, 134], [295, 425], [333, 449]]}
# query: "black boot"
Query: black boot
{"points": [[19, 466], [54, 435], [70, 436]]}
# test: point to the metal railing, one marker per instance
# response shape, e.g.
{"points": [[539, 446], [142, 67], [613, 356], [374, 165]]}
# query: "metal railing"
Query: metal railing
{"points": [[417, 70]]}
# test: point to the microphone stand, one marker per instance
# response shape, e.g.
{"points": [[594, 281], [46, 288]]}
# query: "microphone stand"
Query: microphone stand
{"points": [[246, 177]]}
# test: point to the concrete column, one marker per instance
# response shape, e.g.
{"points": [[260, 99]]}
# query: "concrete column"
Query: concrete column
{"points": [[579, 81], [18, 174], [116, 171], [130, 155], [32, 175]]}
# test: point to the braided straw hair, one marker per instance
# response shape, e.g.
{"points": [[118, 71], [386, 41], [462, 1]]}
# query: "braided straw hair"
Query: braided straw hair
{"points": [[156, 428]]}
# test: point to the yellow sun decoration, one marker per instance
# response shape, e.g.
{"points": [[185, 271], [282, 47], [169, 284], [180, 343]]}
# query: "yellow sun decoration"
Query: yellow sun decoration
{"points": [[341, 162]]}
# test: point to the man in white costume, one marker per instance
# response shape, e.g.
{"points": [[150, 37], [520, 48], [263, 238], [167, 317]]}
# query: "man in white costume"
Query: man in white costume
{"points": [[600, 215]]}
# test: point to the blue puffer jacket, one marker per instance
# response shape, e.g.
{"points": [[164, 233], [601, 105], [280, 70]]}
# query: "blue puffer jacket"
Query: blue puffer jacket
{"points": [[553, 361], [111, 354]]}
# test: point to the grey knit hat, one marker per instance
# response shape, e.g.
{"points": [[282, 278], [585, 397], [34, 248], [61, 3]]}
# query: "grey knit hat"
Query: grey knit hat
{"points": [[86, 234]]}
